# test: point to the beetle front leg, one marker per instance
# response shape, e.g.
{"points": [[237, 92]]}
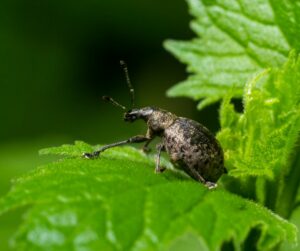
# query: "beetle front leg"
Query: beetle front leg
{"points": [[150, 135], [158, 169], [145, 148], [135, 139]]}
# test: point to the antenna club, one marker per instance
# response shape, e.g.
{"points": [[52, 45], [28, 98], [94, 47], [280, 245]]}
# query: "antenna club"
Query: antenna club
{"points": [[112, 101], [106, 98], [122, 63]]}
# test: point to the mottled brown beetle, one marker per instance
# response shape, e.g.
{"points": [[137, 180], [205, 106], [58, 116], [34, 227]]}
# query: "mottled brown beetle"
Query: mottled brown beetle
{"points": [[191, 146]]}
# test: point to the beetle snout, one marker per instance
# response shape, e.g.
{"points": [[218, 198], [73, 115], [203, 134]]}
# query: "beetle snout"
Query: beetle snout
{"points": [[130, 116]]}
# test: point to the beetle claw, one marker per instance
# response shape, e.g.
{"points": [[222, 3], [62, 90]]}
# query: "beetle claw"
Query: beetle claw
{"points": [[146, 149], [210, 185], [87, 155], [159, 169], [90, 155]]}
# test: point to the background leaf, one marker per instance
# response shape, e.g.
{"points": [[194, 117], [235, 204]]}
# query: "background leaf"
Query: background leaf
{"points": [[113, 203], [261, 140], [236, 39], [295, 219]]}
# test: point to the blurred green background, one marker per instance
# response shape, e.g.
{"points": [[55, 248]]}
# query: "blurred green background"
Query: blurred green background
{"points": [[59, 57]]}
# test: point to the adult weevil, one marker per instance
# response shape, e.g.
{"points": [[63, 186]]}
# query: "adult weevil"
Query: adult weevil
{"points": [[190, 146]]}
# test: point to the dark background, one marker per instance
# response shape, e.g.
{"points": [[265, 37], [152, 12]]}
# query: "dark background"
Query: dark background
{"points": [[59, 57]]}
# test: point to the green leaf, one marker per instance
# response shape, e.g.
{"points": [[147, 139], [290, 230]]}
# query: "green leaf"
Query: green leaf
{"points": [[295, 219], [117, 203], [260, 140], [236, 39]]}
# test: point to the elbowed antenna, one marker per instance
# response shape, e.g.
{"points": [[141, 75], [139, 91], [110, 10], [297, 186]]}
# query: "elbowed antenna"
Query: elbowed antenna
{"points": [[131, 89], [112, 101]]}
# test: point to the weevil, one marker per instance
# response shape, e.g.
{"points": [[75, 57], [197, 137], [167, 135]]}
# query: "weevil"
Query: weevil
{"points": [[191, 146]]}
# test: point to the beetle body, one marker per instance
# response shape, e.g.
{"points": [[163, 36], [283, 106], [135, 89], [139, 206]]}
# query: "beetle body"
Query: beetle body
{"points": [[190, 146]]}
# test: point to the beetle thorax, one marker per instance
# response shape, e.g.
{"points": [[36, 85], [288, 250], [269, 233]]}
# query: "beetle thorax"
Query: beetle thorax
{"points": [[159, 120]]}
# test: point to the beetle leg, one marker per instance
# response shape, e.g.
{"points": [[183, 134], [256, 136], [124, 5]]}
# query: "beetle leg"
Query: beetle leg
{"points": [[158, 169], [135, 139], [198, 177], [145, 148], [150, 136]]}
